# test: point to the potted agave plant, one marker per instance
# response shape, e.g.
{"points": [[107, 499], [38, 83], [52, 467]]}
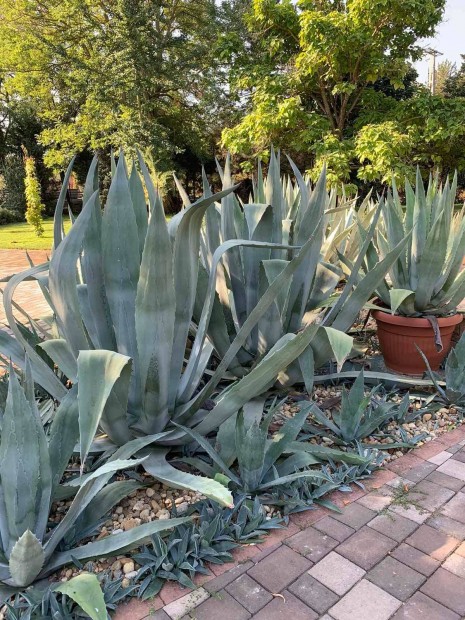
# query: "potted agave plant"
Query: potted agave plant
{"points": [[426, 283]]}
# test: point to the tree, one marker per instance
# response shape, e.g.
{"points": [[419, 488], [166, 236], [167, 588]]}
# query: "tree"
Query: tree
{"points": [[114, 74], [445, 70], [34, 205], [455, 84], [314, 79]]}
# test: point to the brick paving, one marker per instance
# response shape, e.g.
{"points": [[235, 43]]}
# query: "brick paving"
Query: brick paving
{"points": [[388, 555], [28, 294]]}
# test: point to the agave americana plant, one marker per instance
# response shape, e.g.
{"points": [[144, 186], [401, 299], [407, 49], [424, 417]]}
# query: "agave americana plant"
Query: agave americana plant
{"points": [[426, 279], [360, 414], [31, 468], [453, 392], [288, 216], [251, 463], [123, 288]]}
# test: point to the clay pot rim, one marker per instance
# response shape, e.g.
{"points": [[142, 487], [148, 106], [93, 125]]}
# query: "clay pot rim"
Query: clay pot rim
{"points": [[414, 321]]}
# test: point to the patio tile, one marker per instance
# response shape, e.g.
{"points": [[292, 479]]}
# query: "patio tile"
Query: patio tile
{"points": [[365, 602], [182, 606], [436, 544], [461, 550], [455, 508], [136, 609], [311, 543], [335, 529], [366, 547], [308, 517], [454, 484], [455, 563], [355, 515], [396, 578], [414, 513], [419, 561], [421, 607], [377, 500], [448, 526], [456, 469], [289, 608], [429, 495], [394, 526], [313, 593], [459, 456], [249, 593], [439, 459], [415, 474], [405, 463], [379, 479], [223, 580], [337, 573], [447, 589], [279, 569], [223, 606]]}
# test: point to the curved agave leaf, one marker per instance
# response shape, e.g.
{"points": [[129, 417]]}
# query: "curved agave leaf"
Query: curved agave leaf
{"points": [[156, 465], [43, 374], [98, 372], [111, 545], [58, 233], [25, 472], [63, 281]]}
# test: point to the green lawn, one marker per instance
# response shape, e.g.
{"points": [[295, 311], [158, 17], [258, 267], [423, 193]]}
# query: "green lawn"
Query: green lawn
{"points": [[22, 236]]}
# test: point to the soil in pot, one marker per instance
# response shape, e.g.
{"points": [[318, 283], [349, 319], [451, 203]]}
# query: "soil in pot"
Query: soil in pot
{"points": [[398, 335]]}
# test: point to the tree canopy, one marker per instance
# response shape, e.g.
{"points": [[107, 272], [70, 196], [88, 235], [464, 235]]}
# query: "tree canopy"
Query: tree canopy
{"points": [[315, 75], [118, 73], [326, 80]]}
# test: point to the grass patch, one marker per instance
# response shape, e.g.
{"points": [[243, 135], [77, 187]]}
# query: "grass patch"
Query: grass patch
{"points": [[21, 236]]}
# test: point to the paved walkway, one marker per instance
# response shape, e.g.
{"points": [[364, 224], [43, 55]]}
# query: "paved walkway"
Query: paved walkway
{"points": [[396, 551], [28, 294]]}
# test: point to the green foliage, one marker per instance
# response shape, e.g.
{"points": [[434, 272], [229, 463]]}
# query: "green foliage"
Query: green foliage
{"points": [[124, 328], [9, 217], [85, 590], [301, 495], [426, 279], [44, 601], [294, 215], [454, 85], [12, 197], [360, 414], [118, 74], [251, 463], [188, 548], [453, 393], [318, 73], [34, 206], [34, 464]]}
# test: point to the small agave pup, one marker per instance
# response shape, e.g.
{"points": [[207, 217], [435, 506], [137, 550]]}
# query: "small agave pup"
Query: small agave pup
{"points": [[122, 287], [425, 283], [253, 463], [31, 468], [453, 393]]}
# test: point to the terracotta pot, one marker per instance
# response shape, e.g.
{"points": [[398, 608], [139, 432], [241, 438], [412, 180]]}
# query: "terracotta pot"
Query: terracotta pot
{"points": [[398, 335]]}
